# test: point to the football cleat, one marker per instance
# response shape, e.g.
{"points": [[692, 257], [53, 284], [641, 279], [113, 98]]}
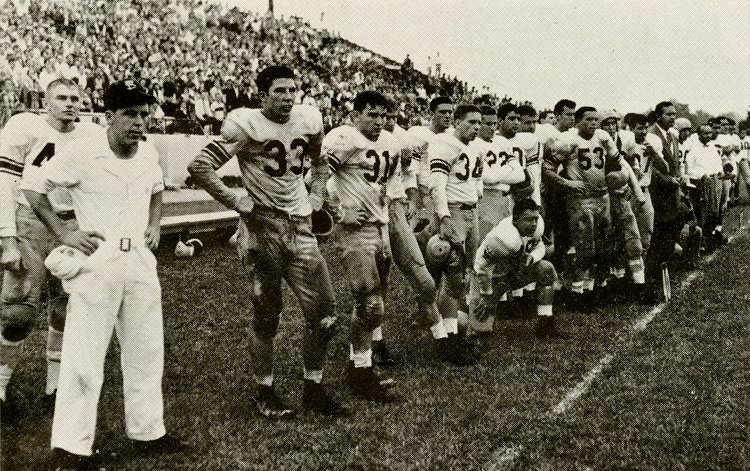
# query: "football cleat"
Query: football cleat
{"points": [[315, 398], [383, 357], [269, 405], [369, 386]]}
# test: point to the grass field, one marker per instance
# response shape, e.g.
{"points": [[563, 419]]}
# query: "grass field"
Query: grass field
{"points": [[674, 396]]}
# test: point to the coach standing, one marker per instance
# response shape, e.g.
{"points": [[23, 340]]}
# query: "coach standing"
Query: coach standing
{"points": [[116, 186], [670, 213]]}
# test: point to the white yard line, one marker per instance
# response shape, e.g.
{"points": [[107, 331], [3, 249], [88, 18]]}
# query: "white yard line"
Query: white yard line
{"points": [[504, 458]]}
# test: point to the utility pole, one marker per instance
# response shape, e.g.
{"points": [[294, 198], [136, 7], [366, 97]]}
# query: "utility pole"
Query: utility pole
{"points": [[270, 7]]}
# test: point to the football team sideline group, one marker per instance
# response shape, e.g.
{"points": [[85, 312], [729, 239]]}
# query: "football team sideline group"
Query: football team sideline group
{"points": [[489, 213]]}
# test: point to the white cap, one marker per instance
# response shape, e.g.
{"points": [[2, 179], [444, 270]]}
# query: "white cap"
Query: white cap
{"points": [[682, 123]]}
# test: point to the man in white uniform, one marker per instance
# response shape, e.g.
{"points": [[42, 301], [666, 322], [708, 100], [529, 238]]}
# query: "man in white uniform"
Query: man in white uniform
{"points": [[27, 142], [115, 183]]}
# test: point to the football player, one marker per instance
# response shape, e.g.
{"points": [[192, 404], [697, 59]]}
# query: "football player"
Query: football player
{"points": [[501, 168], [406, 252], [28, 141], [626, 240], [442, 113], [455, 185], [271, 145], [744, 157], [365, 175], [510, 257], [592, 167]]}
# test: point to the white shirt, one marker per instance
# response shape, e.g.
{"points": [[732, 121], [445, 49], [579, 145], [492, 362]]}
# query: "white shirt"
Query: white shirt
{"points": [[702, 159], [110, 195]]}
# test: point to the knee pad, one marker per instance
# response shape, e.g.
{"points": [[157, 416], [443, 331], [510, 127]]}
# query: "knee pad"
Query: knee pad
{"points": [[546, 274], [633, 249], [57, 312], [369, 313], [18, 319], [324, 330]]}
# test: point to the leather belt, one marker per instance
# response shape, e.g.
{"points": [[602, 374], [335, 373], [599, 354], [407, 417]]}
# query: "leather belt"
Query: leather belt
{"points": [[66, 215]]}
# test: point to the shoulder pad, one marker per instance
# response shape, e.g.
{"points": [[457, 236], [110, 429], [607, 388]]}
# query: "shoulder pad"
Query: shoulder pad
{"points": [[309, 116]]}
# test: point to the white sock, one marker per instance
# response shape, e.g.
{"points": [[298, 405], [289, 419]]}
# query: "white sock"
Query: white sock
{"points": [[351, 352], [451, 325], [517, 293], [54, 352], [264, 380], [10, 354], [544, 310], [377, 334], [315, 376], [438, 331], [363, 360]]}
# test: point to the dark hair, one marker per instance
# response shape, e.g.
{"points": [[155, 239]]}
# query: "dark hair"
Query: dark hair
{"points": [[635, 119], [372, 98], [269, 74], [463, 109], [505, 109], [582, 111], [562, 104], [526, 110], [727, 120], [543, 115], [659, 110], [525, 204], [440, 100], [487, 110]]}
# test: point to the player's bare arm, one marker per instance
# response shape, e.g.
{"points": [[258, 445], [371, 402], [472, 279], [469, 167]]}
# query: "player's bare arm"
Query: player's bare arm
{"points": [[318, 172], [85, 241]]}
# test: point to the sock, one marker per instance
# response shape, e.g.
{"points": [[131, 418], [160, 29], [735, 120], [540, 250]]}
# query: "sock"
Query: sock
{"points": [[451, 325], [544, 310], [438, 331], [54, 351], [264, 380], [315, 376], [363, 360], [517, 293], [10, 354], [637, 271], [351, 352], [377, 334]]}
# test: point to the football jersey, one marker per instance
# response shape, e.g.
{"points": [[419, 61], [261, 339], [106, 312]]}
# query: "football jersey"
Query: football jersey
{"points": [[410, 158], [501, 167], [422, 137], [745, 148], [28, 141], [271, 156], [528, 148], [584, 159], [364, 172], [504, 244], [634, 152], [456, 172]]}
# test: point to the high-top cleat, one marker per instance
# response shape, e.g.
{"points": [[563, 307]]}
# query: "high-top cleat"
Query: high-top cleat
{"points": [[383, 357], [316, 399], [63, 460], [367, 385], [269, 405], [349, 374]]}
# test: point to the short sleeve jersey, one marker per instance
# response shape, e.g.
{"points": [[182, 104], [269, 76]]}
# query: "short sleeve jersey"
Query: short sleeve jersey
{"points": [[423, 136], [636, 153], [363, 172], [272, 156], [461, 163], [497, 165], [584, 159], [27, 142], [504, 242]]}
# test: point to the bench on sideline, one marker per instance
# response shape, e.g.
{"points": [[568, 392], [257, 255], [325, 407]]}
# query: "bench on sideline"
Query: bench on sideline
{"points": [[197, 223]]}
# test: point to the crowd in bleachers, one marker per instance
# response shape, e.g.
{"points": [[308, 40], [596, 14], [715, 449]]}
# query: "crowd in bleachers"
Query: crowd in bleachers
{"points": [[199, 59]]}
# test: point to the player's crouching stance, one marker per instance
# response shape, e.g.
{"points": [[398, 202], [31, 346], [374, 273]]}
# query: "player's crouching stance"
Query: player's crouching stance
{"points": [[271, 145], [510, 257], [364, 162], [115, 183]]}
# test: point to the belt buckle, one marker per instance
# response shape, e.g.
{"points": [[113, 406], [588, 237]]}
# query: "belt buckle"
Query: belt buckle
{"points": [[125, 244]]}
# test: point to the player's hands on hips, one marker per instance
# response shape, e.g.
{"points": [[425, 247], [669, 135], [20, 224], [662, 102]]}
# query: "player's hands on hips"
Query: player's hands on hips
{"points": [[245, 206], [352, 216], [577, 187], [85, 241], [11, 256], [447, 230], [152, 236]]}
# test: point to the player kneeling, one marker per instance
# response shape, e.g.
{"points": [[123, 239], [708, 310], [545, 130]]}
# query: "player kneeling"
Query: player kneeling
{"points": [[510, 257]]}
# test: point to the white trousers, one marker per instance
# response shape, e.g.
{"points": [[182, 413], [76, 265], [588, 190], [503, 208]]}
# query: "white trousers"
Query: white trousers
{"points": [[121, 293]]}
